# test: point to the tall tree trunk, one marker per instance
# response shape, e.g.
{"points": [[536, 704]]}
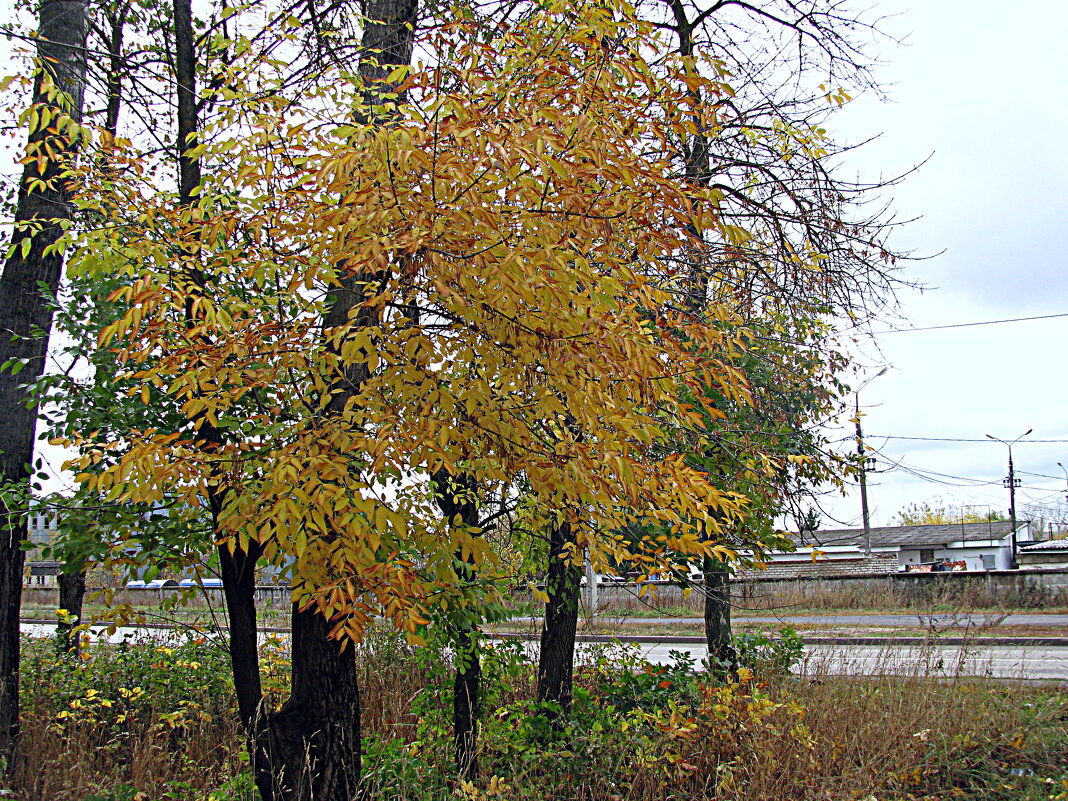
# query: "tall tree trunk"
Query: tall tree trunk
{"points": [[315, 736], [556, 661], [457, 496], [237, 566], [721, 653], [466, 702], [309, 749], [238, 571], [71, 597], [26, 314], [717, 595]]}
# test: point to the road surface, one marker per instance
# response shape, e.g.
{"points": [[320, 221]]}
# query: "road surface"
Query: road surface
{"points": [[999, 661]]}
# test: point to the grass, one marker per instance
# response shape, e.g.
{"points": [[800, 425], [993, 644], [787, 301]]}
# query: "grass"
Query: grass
{"points": [[158, 722]]}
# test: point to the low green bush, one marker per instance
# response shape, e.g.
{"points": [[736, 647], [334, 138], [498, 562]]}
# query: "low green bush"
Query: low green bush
{"points": [[769, 656]]}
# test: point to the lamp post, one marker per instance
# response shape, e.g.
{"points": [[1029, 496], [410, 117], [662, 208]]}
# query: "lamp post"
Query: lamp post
{"points": [[1012, 483], [863, 462], [1065, 471]]}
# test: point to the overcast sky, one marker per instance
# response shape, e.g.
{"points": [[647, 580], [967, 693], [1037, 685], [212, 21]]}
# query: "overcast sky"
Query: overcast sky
{"points": [[980, 89]]}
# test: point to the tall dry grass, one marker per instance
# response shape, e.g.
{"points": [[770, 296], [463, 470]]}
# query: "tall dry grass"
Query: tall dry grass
{"points": [[639, 735]]}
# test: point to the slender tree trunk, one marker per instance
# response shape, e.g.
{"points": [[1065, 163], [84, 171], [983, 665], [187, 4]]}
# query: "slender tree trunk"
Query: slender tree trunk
{"points": [[466, 703], [237, 566], [71, 597], [717, 610], [721, 653], [26, 317], [238, 571], [556, 661], [457, 496], [310, 748]]}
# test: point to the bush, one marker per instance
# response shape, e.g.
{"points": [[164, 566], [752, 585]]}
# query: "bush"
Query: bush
{"points": [[769, 657]]}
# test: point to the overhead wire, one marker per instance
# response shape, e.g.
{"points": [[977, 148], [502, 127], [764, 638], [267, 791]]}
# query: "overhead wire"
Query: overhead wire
{"points": [[964, 439], [971, 325]]}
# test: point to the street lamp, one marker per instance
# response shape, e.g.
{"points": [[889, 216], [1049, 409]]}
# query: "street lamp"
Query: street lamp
{"points": [[863, 462], [1012, 483]]}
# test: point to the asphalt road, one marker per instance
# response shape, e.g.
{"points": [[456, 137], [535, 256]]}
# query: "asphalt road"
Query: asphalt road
{"points": [[1000, 661]]}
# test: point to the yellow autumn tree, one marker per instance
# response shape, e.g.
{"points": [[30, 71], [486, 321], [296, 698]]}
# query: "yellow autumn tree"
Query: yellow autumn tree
{"points": [[466, 268], [516, 233]]}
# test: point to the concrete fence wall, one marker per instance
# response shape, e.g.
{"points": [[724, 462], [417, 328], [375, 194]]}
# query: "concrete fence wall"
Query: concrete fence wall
{"points": [[1009, 588]]}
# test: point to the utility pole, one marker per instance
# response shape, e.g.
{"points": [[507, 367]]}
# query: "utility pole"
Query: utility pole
{"points": [[863, 462], [1011, 482]]}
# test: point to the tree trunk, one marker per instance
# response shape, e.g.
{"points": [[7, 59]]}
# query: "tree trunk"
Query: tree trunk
{"points": [[556, 661], [238, 570], [26, 317], [315, 736], [466, 703], [457, 496], [717, 610], [237, 567], [71, 596], [721, 654]]}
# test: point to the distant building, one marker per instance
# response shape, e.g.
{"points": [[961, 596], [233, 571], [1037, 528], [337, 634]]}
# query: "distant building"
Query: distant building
{"points": [[41, 528], [979, 546], [1051, 553]]}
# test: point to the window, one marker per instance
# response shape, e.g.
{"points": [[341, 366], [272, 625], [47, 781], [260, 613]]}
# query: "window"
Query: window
{"points": [[926, 555]]}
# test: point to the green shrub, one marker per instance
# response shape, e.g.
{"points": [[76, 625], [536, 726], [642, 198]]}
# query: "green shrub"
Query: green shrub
{"points": [[769, 657]]}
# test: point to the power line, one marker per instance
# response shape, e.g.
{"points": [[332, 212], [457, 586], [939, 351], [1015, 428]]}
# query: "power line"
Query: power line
{"points": [[970, 325], [959, 439]]}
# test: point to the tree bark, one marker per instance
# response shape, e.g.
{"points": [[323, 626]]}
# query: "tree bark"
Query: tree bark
{"points": [[466, 703], [457, 496], [71, 597], [26, 315], [238, 571], [717, 610], [315, 736], [556, 661], [721, 653]]}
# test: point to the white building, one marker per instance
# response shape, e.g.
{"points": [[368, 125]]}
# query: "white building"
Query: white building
{"points": [[979, 546]]}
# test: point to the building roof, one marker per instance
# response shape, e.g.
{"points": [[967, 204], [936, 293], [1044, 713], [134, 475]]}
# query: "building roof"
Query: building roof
{"points": [[911, 536], [1048, 545]]}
